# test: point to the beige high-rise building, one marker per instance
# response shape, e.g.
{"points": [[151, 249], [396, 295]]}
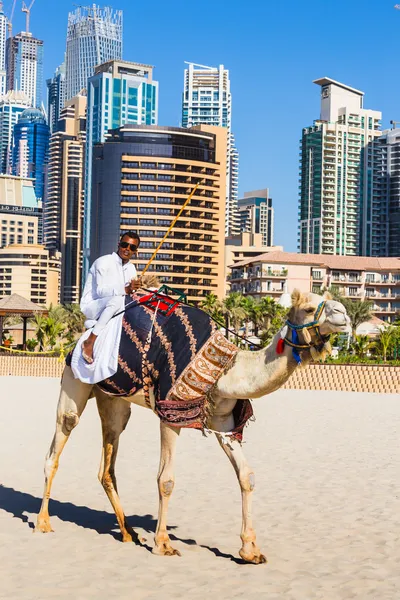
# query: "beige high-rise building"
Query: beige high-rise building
{"points": [[29, 270], [142, 176], [64, 198]]}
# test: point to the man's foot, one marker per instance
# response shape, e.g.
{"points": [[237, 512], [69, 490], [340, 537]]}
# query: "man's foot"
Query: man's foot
{"points": [[87, 352]]}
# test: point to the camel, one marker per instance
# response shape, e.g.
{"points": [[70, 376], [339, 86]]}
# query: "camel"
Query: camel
{"points": [[253, 375]]}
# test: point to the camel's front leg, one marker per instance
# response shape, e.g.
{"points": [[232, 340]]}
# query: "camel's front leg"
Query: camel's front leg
{"points": [[72, 401], [114, 414], [165, 479], [249, 551]]}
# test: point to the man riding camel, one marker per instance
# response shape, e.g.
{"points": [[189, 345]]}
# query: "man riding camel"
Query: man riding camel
{"points": [[110, 278]]}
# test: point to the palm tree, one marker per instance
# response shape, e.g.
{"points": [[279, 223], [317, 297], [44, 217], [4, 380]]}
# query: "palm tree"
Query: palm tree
{"points": [[40, 323], [233, 311], [256, 315], [53, 330], [358, 311], [212, 306], [74, 320], [360, 345], [386, 340]]}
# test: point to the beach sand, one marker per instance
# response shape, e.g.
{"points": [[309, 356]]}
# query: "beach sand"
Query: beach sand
{"points": [[326, 505]]}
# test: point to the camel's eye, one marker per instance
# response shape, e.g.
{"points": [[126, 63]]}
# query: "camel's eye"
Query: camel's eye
{"points": [[309, 310]]}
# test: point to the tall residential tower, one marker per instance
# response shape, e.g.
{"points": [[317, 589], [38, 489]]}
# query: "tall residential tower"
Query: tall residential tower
{"points": [[339, 176], [94, 36], [24, 60], [119, 92], [63, 208], [3, 37], [207, 100]]}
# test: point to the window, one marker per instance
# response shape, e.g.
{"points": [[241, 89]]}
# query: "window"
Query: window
{"points": [[352, 291], [317, 275]]}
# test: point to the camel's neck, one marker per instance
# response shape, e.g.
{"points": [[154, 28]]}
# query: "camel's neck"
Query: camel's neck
{"points": [[255, 374]]}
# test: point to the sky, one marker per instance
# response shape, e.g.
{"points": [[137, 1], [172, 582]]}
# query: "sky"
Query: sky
{"points": [[274, 49]]}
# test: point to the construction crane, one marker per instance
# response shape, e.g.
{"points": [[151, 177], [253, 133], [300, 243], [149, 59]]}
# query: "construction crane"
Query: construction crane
{"points": [[27, 10], [10, 20]]}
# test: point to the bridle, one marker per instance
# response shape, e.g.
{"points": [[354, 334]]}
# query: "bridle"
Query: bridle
{"points": [[314, 325]]}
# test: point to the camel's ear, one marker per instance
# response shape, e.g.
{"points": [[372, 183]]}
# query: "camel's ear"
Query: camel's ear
{"points": [[327, 296], [297, 298], [285, 300]]}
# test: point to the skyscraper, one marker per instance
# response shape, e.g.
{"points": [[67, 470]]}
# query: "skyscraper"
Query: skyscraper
{"points": [[56, 96], [31, 147], [256, 215], [390, 189], [12, 105], [207, 99], [339, 176], [94, 36], [24, 60], [142, 175], [63, 207], [119, 92], [3, 37]]}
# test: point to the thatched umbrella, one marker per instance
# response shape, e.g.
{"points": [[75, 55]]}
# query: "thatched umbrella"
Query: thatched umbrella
{"points": [[18, 306]]}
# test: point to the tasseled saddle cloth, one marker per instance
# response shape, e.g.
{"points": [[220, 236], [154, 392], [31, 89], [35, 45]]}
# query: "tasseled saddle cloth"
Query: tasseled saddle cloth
{"points": [[183, 361]]}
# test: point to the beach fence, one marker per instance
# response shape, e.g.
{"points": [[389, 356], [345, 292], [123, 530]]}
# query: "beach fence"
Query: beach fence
{"points": [[382, 379]]}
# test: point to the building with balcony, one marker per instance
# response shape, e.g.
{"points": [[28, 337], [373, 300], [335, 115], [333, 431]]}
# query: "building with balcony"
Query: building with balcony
{"points": [[340, 173], [29, 270], [64, 196], [356, 278], [20, 212], [241, 247], [142, 176]]}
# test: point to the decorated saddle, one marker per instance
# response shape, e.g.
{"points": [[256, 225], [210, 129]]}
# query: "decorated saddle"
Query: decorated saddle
{"points": [[177, 350]]}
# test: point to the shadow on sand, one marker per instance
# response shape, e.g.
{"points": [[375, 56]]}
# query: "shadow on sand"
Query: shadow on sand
{"points": [[17, 503]]}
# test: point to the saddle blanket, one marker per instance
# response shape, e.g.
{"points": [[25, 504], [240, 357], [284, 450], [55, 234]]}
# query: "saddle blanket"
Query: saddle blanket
{"points": [[183, 361]]}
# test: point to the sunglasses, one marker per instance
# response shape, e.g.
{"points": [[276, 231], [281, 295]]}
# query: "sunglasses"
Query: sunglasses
{"points": [[132, 247]]}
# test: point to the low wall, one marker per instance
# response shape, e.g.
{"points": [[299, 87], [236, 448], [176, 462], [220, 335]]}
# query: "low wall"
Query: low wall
{"points": [[30, 366], [349, 378], [346, 378]]}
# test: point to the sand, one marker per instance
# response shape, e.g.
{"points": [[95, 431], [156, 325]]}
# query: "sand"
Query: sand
{"points": [[326, 506]]}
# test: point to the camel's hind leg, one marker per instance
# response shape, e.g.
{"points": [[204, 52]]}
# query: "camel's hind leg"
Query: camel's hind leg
{"points": [[249, 551], [169, 436], [72, 401], [114, 414]]}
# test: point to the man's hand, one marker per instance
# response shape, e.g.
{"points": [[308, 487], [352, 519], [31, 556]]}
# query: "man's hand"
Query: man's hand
{"points": [[133, 285]]}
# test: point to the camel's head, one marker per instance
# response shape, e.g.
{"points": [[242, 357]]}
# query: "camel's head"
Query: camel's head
{"points": [[312, 318]]}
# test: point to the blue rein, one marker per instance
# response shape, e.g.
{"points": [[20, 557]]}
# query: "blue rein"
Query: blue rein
{"points": [[295, 341]]}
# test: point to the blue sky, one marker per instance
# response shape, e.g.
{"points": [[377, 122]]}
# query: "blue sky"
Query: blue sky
{"points": [[274, 49]]}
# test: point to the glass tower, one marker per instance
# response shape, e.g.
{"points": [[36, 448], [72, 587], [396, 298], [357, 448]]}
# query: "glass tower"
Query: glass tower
{"points": [[31, 147], [56, 97], [12, 105], [24, 59], [119, 93], [94, 36], [207, 100]]}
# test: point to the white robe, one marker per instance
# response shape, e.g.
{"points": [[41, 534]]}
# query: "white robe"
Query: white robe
{"points": [[106, 281]]}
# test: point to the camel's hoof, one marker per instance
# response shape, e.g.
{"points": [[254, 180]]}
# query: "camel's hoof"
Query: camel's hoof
{"points": [[255, 559], [165, 550], [43, 527]]}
